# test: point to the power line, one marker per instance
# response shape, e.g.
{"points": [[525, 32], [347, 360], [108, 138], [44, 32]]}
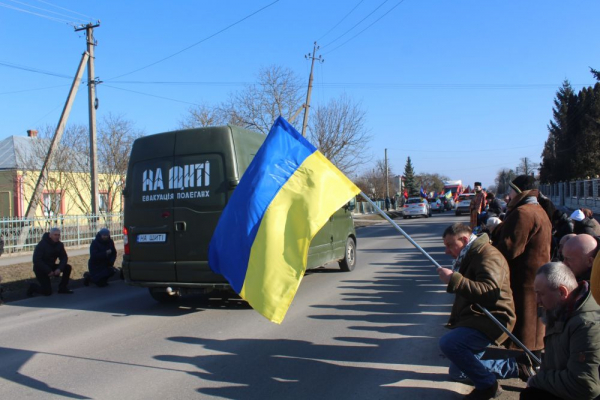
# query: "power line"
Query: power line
{"points": [[197, 43], [41, 9], [355, 25], [373, 23], [32, 69], [150, 95], [465, 151], [342, 20], [66, 9], [55, 19], [33, 90]]}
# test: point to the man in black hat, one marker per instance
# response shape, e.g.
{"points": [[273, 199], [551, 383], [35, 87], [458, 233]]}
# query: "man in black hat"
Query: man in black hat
{"points": [[477, 205]]}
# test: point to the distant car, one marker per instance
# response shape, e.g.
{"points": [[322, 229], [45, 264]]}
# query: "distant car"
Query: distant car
{"points": [[436, 205], [463, 204], [448, 203], [416, 206]]}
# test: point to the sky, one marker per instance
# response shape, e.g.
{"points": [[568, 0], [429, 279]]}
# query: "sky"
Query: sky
{"points": [[463, 87]]}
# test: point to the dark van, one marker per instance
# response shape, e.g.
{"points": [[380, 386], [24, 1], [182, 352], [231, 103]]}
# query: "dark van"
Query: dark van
{"points": [[177, 186]]}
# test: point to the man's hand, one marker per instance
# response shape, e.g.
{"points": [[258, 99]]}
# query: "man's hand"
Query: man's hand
{"points": [[445, 274], [57, 272]]}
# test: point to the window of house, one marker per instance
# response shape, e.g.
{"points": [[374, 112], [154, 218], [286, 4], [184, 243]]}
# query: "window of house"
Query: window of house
{"points": [[104, 202], [51, 204]]}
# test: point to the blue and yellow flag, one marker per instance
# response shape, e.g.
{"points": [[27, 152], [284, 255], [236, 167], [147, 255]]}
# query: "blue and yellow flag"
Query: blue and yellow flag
{"points": [[284, 198]]}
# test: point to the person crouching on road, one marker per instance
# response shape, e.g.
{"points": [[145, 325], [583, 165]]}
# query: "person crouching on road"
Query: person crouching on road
{"points": [[570, 365], [479, 275], [102, 259], [46, 253]]}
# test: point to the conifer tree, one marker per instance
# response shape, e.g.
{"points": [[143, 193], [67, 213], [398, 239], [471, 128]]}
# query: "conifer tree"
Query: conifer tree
{"points": [[409, 179]]}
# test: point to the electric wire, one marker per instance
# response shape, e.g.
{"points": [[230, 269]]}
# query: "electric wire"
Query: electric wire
{"points": [[342, 20], [31, 69], [33, 90], [66, 9], [355, 25], [150, 95], [197, 43], [42, 9], [55, 19], [370, 25]]}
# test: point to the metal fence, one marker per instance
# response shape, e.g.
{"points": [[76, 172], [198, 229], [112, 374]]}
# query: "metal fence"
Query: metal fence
{"points": [[574, 194], [77, 230]]}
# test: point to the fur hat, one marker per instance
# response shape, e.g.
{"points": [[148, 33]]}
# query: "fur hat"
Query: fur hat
{"points": [[577, 215], [522, 183], [477, 184]]}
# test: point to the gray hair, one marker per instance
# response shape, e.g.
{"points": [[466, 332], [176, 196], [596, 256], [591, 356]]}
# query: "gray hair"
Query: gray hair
{"points": [[558, 274]]}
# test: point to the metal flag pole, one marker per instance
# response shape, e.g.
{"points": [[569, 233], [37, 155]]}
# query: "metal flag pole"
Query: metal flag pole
{"points": [[486, 312]]}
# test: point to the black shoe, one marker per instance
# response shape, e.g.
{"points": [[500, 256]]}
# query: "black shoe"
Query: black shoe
{"points": [[525, 367], [65, 291], [484, 394], [30, 290], [86, 279]]}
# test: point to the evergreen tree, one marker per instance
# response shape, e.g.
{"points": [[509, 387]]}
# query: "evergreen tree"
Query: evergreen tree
{"points": [[409, 179], [596, 73], [559, 148], [586, 160]]}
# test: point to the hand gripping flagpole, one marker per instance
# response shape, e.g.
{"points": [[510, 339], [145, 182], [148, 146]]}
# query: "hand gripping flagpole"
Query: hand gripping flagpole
{"points": [[486, 312]]}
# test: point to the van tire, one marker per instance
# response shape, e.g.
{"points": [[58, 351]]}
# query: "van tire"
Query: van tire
{"points": [[348, 263], [162, 297]]}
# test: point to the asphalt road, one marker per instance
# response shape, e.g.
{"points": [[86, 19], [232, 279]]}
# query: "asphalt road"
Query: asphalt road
{"points": [[368, 334]]}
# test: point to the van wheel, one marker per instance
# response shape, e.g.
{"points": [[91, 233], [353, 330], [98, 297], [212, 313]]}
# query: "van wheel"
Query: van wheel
{"points": [[348, 263], [163, 297]]}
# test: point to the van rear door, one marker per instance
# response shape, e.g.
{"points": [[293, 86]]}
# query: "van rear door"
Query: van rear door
{"points": [[149, 217], [200, 196]]}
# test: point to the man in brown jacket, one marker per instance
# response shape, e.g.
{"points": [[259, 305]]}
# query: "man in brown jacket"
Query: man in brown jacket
{"points": [[524, 239], [477, 205], [479, 276]]}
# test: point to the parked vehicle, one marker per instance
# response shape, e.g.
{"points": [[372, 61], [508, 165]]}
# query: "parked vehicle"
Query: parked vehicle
{"points": [[436, 205], [463, 204], [416, 206], [455, 187], [178, 184]]}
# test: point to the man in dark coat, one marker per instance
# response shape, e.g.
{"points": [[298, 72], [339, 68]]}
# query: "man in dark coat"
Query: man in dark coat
{"points": [[584, 224], [524, 238], [569, 369], [46, 253], [479, 276], [102, 259]]}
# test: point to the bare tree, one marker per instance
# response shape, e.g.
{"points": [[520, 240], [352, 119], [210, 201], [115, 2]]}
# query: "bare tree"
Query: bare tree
{"points": [[58, 187], [202, 116], [431, 182], [527, 167], [338, 130], [278, 92]]}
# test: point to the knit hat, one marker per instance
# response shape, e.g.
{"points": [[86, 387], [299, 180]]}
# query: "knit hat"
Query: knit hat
{"points": [[492, 223], [577, 215], [104, 231], [522, 183]]}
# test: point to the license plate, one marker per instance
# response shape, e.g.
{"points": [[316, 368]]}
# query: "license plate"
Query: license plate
{"points": [[152, 238]]}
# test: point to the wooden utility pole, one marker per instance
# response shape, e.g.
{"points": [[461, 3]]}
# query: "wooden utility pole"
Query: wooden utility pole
{"points": [[60, 128], [310, 80], [387, 179], [91, 43]]}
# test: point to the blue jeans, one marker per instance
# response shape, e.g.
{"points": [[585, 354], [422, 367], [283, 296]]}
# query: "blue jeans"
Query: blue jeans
{"points": [[464, 347]]}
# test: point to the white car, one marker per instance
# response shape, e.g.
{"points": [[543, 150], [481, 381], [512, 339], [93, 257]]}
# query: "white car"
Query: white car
{"points": [[416, 206], [463, 204]]}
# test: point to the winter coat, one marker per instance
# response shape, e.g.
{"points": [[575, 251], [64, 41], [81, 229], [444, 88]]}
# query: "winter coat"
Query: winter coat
{"points": [[495, 208], [572, 356], [46, 253], [99, 261], [482, 278], [587, 225], [563, 225], [525, 238]]}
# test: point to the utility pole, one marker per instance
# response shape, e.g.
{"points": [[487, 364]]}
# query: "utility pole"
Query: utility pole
{"points": [[91, 43], [387, 180], [310, 80]]}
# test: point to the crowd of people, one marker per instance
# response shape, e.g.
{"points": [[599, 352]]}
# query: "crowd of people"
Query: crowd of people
{"points": [[50, 260], [536, 270]]}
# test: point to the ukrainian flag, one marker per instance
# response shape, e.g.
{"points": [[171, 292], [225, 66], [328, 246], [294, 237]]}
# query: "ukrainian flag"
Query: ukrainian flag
{"points": [[284, 198]]}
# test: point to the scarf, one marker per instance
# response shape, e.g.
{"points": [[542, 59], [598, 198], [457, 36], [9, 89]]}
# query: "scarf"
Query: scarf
{"points": [[463, 253]]}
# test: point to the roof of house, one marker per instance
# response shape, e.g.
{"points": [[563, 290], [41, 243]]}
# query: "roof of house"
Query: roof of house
{"points": [[13, 146]]}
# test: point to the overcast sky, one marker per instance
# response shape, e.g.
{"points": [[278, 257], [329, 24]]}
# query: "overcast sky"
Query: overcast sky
{"points": [[463, 87]]}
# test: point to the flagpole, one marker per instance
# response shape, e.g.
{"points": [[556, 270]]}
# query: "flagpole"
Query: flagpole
{"points": [[498, 323]]}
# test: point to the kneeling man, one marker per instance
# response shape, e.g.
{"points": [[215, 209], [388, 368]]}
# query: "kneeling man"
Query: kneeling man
{"points": [[479, 275], [570, 365]]}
